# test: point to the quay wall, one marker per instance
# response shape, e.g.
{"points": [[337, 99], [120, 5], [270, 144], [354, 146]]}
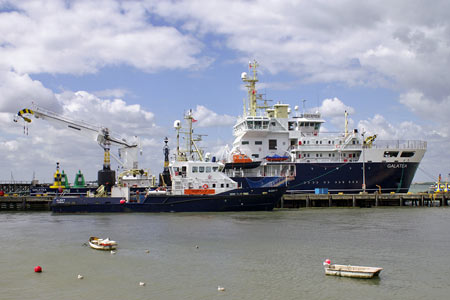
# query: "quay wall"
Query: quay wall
{"points": [[293, 201], [364, 200], [25, 203]]}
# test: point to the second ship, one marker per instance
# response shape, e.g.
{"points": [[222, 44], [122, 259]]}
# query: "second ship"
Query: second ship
{"points": [[275, 141]]}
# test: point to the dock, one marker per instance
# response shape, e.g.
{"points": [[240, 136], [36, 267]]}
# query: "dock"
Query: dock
{"points": [[25, 203], [364, 200], [293, 201]]}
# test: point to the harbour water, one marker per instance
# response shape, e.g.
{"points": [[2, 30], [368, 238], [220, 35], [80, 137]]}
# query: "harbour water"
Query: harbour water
{"points": [[255, 255]]}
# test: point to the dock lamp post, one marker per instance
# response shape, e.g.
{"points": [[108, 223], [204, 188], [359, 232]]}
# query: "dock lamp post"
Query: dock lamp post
{"points": [[364, 162]]}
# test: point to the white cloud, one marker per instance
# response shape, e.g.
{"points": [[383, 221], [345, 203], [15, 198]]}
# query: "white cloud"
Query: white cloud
{"points": [[334, 107], [82, 36], [209, 118], [334, 111], [404, 45], [19, 90], [385, 130], [111, 93]]}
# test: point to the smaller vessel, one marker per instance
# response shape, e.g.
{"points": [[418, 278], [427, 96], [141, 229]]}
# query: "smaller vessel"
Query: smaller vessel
{"points": [[191, 182], [102, 244], [351, 271]]}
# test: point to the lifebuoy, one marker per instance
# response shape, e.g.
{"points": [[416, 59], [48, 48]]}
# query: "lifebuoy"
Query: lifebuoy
{"points": [[205, 186]]}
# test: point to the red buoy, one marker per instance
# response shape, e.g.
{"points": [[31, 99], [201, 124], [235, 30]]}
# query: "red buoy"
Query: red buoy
{"points": [[328, 261], [122, 201], [38, 269]]}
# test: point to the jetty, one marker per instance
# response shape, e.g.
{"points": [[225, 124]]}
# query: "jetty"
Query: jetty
{"points": [[25, 203], [288, 201], [364, 200]]}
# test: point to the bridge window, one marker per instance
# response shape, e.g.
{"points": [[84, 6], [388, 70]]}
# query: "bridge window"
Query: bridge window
{"points": [[194, 169], [215, 169], [272, 144], [291, 125], [255, 155], [245, 142], [258, 142], [208, 169], [407, 154], [201, 169], [390, 153]]}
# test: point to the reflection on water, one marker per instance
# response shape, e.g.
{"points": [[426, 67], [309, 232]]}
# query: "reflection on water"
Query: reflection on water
{"points": [[257, 255]]}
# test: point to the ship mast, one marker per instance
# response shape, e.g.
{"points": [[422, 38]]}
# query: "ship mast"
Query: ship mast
{"points": [[251, 88], [191, 146]]}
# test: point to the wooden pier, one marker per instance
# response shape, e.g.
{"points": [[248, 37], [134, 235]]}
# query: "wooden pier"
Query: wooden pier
{"points": [[32, 203], [25, 203], [364, 200]]}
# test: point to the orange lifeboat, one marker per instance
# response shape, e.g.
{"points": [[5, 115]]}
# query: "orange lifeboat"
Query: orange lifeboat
{"points": [[241, 158]]}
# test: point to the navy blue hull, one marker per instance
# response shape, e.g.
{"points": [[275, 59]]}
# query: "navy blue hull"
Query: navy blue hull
{"points": [[346, 177], [237, 200]]}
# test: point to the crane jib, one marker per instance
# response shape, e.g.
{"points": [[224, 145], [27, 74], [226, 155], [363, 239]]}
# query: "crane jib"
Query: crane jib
{"points": [[73, 127]]}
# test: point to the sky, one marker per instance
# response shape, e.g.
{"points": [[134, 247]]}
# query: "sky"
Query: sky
{"points": [[137, 66]]}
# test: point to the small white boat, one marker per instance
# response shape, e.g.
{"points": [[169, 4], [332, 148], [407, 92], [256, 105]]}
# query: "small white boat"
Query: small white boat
{"points": [[102, 244], [351, 271]]}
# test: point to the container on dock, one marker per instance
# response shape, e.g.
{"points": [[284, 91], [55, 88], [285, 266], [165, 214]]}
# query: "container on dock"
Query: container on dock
{"points": [[321, 191]]}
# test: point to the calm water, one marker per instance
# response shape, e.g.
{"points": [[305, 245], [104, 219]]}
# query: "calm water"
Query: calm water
{"points": [[261, 255]]}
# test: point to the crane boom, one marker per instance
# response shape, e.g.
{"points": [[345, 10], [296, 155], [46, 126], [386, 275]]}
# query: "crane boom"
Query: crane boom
{"points": [[128, 151]]}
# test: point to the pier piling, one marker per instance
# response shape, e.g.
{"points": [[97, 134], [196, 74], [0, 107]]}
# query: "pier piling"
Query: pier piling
{"points": [[365, 200]]}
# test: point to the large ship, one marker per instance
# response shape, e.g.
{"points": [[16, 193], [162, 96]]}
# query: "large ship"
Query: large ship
{"points": [[280, 142], [191, 182]]}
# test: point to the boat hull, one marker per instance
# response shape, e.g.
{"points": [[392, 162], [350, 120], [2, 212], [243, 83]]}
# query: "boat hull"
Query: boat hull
{"points": [[346, 177], [104, 248], [352, 271], [257, 199]]}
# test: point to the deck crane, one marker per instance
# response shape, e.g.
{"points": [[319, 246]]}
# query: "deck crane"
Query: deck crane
{"points": [[128, 151]]}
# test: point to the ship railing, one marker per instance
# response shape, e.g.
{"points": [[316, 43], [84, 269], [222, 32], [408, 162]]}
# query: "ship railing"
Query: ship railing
{"points": [[399, 144], [381, 144], [21, 182], [326, 147]]}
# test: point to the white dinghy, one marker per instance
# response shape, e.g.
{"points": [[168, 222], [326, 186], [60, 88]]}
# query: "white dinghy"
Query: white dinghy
{"points": [[102, 244], [351, 271]]}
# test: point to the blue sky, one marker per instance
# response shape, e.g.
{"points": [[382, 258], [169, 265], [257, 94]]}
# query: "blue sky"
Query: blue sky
{"points": [[136, 66]]}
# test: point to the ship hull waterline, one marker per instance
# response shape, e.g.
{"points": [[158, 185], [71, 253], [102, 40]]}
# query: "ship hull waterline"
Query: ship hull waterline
{"points": [[346, 177], [251, 201]]}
